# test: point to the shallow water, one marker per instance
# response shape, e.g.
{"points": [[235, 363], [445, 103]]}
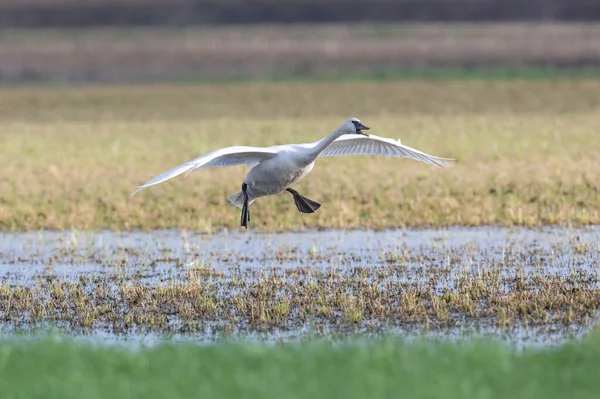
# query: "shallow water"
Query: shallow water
{"points": [[518, 337], [440, 257], [74, 253]]}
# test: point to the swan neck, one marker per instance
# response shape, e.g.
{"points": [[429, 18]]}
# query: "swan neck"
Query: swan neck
{"points": [[326, 142]]}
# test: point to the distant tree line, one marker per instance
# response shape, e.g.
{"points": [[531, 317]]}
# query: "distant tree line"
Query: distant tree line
{"points": [[195, 12]]}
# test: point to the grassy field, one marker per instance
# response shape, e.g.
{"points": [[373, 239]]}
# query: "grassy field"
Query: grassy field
{"points": [[313, 369], [526, 154]]}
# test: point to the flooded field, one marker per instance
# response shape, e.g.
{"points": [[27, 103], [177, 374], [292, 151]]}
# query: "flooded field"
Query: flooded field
{"points": [[539, 285]]}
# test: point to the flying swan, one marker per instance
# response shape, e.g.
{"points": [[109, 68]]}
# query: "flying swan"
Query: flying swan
{"points": [[275, 169]]}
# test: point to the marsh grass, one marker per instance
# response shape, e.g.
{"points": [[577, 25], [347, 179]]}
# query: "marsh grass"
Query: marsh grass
{"points": [[525, 154], [130, 290]]}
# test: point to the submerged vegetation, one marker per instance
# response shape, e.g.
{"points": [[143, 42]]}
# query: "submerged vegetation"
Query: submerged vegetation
{"points": [[122, 287], [72, 156]]}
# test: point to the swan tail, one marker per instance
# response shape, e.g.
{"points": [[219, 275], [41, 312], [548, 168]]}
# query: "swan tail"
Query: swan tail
{"points": [[237, 199]]}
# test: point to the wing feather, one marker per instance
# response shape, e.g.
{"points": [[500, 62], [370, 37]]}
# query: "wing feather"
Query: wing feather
{"points": [[230, 156], [375, 145]]}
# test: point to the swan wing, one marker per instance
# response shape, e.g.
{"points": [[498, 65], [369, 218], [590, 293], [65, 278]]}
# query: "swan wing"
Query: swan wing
{"points": [[375, 145], [230, 156]]}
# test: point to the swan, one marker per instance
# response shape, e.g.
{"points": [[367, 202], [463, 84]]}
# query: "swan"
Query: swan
{"points": [[274, 169]]}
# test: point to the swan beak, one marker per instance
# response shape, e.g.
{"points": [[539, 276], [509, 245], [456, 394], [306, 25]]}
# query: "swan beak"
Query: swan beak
{"points": [[361, 128]]}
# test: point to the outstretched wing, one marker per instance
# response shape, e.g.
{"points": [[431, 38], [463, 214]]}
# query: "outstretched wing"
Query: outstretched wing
{"points": [[375, 145], [230, 156]]}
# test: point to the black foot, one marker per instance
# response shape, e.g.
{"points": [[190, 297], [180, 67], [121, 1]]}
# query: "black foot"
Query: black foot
{"points": [[304, 204], [245, 209]]}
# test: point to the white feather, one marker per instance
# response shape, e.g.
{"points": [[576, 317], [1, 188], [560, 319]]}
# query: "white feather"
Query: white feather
{"points": [[375, 145], [273, 169], [230, 156]]}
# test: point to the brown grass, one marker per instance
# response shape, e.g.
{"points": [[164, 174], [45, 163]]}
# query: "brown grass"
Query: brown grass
{"points": [[527, 154]]}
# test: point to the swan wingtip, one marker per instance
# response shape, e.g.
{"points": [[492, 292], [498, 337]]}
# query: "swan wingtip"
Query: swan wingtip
{"points": [[140, 188]]}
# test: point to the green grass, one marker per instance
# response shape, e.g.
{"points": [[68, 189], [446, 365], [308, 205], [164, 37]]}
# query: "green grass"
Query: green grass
{"points": [[386, 368]]}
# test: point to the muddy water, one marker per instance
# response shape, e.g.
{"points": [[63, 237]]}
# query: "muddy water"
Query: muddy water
{"points": [[440, 258]]}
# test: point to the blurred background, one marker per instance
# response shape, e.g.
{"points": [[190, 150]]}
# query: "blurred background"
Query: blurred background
{"points": [[77, 41]]}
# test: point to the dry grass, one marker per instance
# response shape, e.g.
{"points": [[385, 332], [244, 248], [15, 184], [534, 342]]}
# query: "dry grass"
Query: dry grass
{"points": [[527, 154], [223, 52]]}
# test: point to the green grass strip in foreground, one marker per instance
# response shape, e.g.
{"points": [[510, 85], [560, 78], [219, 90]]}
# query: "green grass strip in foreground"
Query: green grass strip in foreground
{"points": [[383, 368]]}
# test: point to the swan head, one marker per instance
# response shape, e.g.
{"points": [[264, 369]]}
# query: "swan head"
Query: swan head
{"points": [[354, 126]]}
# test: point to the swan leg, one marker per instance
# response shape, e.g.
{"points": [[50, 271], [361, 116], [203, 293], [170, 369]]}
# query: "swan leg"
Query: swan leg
{"points": [[245, 208], [303, 204]]}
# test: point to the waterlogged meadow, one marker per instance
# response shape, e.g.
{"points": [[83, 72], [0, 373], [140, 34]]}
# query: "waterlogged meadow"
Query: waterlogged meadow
{"points": [[288, 285], [351, 300], [172, 258]]}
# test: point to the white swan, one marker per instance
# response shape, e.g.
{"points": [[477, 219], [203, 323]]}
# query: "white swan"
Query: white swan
{"points": [[275, 169]]}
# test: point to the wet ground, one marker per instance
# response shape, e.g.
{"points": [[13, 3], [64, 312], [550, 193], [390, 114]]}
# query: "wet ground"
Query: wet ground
{"points": [[538, 286]]}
